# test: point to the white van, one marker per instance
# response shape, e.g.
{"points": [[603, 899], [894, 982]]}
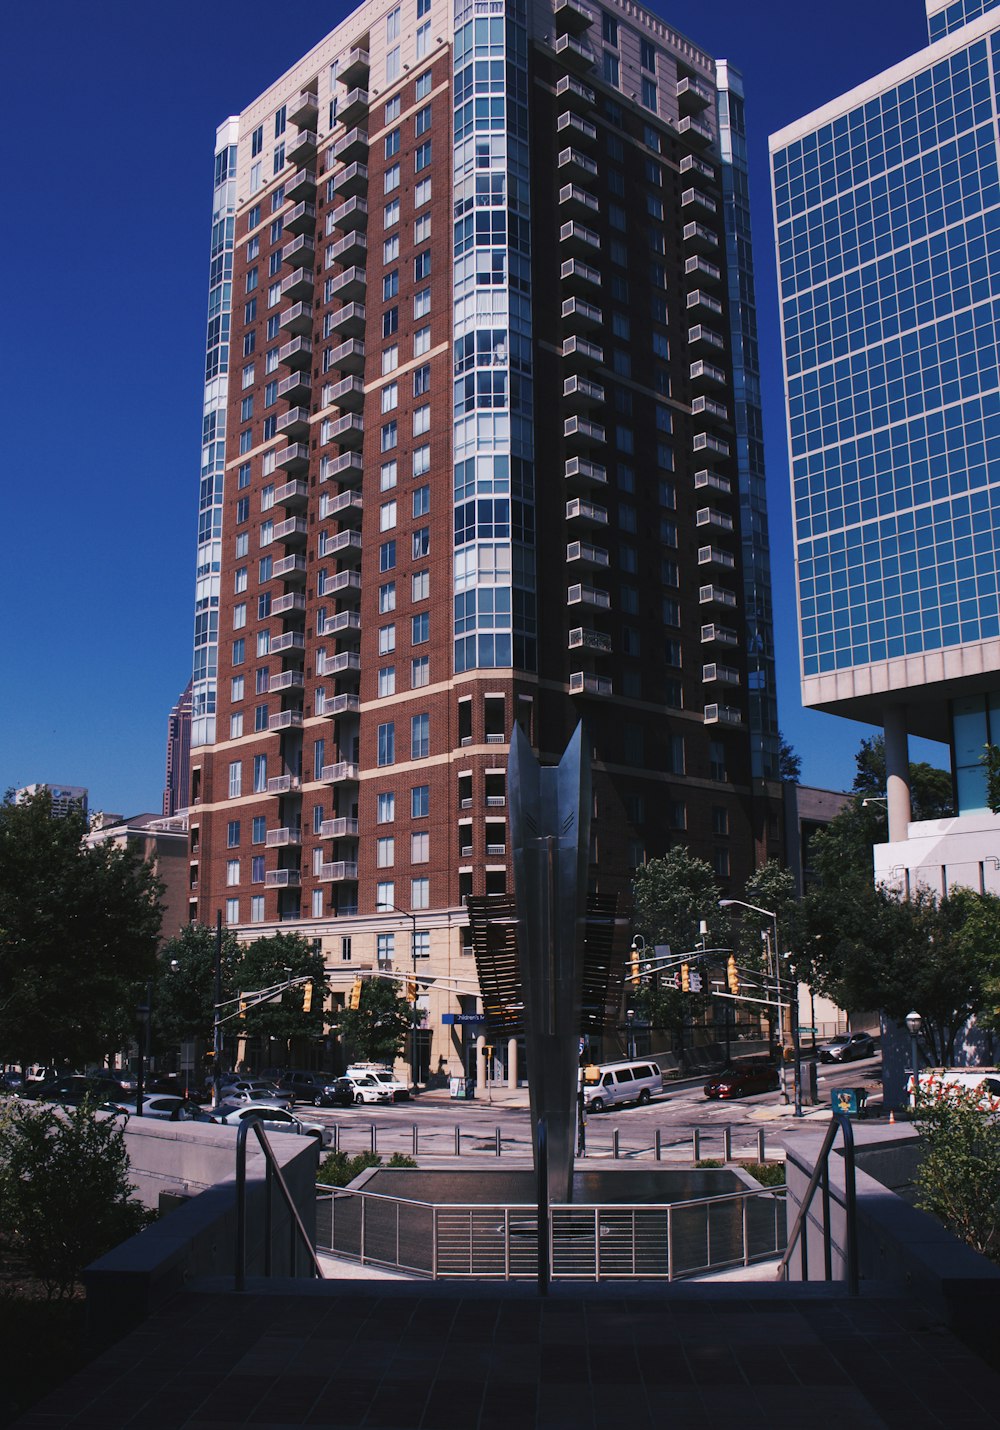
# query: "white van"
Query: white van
{"points": [[637, 1080], [399, 1091]]}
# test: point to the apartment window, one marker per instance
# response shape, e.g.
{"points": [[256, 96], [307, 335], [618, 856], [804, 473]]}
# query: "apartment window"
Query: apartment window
{"points": [[387, 476], [272, 330], [386, 640], [387, 556], [258, 829], [420, 801], [422, 193], [422, 229], [236, 725], [386, 597], [317, 903], [387, 743], [256, 145], [390, 249], [385, 947], [716, 761], [390, 179], [385, 896], [390, 285], [421, 341], [392, 23], [420, 628], [232, 911], [249, 342], [420, 672], [389, 436], [385, 852], [252, 278], [262, 678], [422, 155], [423, 85], [420, 893], [235, 779], [420, 586], [345, 949], [649, 94], [259, 774], [232, 872], [421, 542], [390, 322], [239, 651], [390, 397], [423, 39], [421, 460], [422, 121], [720, 820], [609, 29], [246, 441], [233, 834], [611, 68], [385, 807], [387, 516], [236, 688], [392, 65], [422, 266], [422, 303], [390, 214], [421, 420], [386, 681], [393, 109], [257, 909], [392, 143], [239, 616], [256, 177], [420, 737], [257, 869], [420, 847]]}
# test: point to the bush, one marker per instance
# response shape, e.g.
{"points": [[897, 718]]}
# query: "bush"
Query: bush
{"points": [[958, 1179], [769, 1174], [337, 1169], [65, 1197]]}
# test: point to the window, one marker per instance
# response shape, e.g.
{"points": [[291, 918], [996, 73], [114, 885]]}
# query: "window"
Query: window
{"points": [[422, 303], [392, 143], [256, 145], [236, 688], [423, 85], [390, 250], [233, 834], [420, 801], [649, 94], [235, 779], [232, 872], [390, 397], [421, 341], [232, 911], [239, 651], [420, 737], [611, 68], [420, 628], [421, 419], [390, 285], [389, 436], [387, 556], [393, 109], [716, 761], [345, 949], [387, 743], [386, 681], [420, 672], [421, 460], [390, 180], [259, 774], [262, 680], [385, 896], [387, 516], [390, 214], [421, 542], [422, 156], [423, 39], [252, 278], [239, 616], [422, 229], [392, 23], [422, 193], [390, 322], [392, 65], [420, 893], [609, 29], [249, 342], [385, 947], [260, 718], [387, 476], [647, 56], [236, 725], [257, 869], [420, 847], [385, 852], [422, 266], [257, 909], [385, 807], [316, 903], [422, 122], [386, 640], [387, 597], [420, 586]]}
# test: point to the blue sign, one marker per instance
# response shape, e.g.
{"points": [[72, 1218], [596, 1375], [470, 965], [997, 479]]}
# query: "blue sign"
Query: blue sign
{"points": [[476, 1019]]}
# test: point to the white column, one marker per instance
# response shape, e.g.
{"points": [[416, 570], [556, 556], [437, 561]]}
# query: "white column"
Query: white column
{"points": [[897, 772], [480, 1065], [512, 1062]]}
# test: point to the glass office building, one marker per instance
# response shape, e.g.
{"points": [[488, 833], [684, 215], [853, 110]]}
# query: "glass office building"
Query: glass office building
{"points": [[887, 215]]}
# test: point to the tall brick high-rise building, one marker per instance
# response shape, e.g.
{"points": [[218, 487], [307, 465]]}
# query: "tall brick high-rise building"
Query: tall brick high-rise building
{"points": [[481, 445]]}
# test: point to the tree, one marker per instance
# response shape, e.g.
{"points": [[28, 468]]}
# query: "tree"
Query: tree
{"points": [[991, 759], [958, 1179], [379, 1026], [931, 794], [789, 761], [269, 961], [770, 887], [672, 896], [78, 934], [184, 996]]}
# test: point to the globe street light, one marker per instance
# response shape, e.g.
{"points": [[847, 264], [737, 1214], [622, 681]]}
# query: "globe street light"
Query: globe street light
{"points": [[914, 1023]]}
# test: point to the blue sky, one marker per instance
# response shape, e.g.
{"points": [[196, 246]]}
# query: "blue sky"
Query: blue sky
{"points": [[111, 111]]}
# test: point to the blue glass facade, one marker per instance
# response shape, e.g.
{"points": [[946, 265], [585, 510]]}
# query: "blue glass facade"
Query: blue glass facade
{"points": [[888, 225], [954, 16]]}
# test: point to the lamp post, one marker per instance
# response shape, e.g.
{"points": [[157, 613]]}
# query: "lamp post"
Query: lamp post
{"points": [[768, 914], [914, 1023], [384, 908]]}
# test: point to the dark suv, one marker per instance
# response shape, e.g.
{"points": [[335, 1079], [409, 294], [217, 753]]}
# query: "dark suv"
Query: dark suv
{"points": [[316, 1088]]}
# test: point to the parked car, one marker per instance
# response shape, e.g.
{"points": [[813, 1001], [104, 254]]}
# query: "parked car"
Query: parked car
{"points": [[74, 1089], [845, 1047], [306, 1086], [400, 1090], [273, 1119], [159, 1104], [743, 1080], [191, 1112], [11, 1082], [368, 1089], [339, 1093], [257, 1090]]}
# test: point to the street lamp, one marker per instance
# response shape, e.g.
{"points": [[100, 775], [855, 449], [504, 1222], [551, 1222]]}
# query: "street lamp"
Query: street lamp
{"points": [[768, 914], [383, 907], [914, 1023]]}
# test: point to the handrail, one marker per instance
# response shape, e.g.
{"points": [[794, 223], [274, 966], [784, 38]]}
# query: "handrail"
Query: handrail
{"points": [[821, 1174], [273, 1171]]}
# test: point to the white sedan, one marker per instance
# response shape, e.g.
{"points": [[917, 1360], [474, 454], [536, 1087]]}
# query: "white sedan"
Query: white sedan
{"points": [[164, 1105], [272, 1119], [369, 1089]]}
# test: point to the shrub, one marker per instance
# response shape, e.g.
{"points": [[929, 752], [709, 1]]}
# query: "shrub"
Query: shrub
{"points": [[769, 1174], [65, 1197], [958, 1179], [337, 1169]]}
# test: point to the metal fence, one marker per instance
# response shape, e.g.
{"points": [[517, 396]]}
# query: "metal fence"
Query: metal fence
{"points": [[594, 1243]]}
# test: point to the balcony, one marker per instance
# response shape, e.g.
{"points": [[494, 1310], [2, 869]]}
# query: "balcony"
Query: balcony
{"points": [[288, 641], [716, 556], [348, 431], [349, 356], [588, 513], [301, 187], [301, 218], [575, 92], [580, 352], [706, 338], [346, 507], [577, 238], [351, 215], [345, 771], [343, 625], [293, 531], [711, 673], [287, 680], [292, 494], [574, 199], [703, 269], [580, 392], [722, 715], [711, 517], [298, 284], [582, 553], [694, 131], [700, 372], [712, 446], [693, 95], [339, 829], [577, 313], [572, 17], [337, 706], [697, 199], [699, 299], [345, 546], [283, 784], [345, 662], [355, 68], [711, 634], [583, 474], [297, 354], [582, 595], [353, 107], [289, 568], [302, 148], [300, 253], [353, 145], [700, 238], [581, 683], [349, 321], [575, 159], [294, 458], [711, 481], [283, 838], [353, 245], [574, 127], [351, 284], [585, 638], [710, 407], [716, 596], [352, 181], [583, 435], [574, 52], [341, 581], [339, 872], [296, 385], [282, 878], [304, 111], [347, 469], [294, 422], [292, 601], [577, 274], [348, 394], [297, 319]]}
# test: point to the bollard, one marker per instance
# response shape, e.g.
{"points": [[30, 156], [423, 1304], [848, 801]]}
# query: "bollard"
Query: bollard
{"points": [[498, 1141], [760, 1145], [416, 1139], [374, 1139], [696, 1144], [458, 1140], [614, 1144], [335, 1144], [727, 1144], [656, 1145]]}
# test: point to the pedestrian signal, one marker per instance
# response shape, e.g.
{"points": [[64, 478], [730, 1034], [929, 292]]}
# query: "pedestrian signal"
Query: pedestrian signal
{"points": [[695, 981]]}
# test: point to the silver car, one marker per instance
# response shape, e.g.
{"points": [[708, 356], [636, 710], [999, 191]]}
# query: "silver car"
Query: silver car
{"points": [[846, 1047]]}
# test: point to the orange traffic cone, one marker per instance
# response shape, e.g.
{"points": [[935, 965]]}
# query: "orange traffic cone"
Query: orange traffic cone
{"points": [[892, 1117]]}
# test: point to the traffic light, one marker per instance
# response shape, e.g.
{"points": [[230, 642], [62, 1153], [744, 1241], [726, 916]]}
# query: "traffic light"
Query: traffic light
{"points": [[307, 998], [634, 966], [685, 978], [695, 980], [243, 1007], [355, 1002], [733, 975], [411, 990]]}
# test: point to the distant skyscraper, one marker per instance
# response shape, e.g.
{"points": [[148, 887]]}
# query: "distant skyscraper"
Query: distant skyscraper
{"points": [[176, 793], [887, 207], [64, 797], [482, 447]]}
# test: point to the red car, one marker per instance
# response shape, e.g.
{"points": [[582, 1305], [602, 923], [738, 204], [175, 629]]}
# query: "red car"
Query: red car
{"points": [[743, 1080]]}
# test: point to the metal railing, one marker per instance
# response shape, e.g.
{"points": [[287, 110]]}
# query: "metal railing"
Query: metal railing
{"points": [[821, 1178], [614, 1241], [272, 1175]]}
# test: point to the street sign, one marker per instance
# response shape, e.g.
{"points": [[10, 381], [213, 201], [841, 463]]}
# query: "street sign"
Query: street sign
{"points": [[475, 1019]]}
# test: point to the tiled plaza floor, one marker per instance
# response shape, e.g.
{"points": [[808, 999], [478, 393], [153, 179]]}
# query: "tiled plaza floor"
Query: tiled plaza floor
{"points": [[422, 1357]]}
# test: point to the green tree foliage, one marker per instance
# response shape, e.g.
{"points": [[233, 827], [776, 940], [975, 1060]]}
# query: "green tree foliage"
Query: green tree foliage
{"points": [[65, 1197], [789, 761], [269, 961], [672, 896], [931, 793], [770, 887], [185, 983], [378, 1028], [991, 759], [958, 1179], [78, 935]]}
